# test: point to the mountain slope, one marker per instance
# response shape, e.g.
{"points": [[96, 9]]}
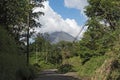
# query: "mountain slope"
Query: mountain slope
{"points": [[56, 37]]}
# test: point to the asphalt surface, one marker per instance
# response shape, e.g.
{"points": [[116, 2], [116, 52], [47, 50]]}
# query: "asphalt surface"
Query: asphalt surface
{"points": [[53, 75]]}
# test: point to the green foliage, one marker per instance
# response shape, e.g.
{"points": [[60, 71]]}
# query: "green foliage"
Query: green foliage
{"points": [[13, 11], [75, 62], [44, 51], [37, 67], [89, 68], [7, 44], [106, 11], [26, 73], [47, 55], [94, 43], [65, 68], [41, 62], [99, 37], [45, 65], [11, 62], [10, 65]]}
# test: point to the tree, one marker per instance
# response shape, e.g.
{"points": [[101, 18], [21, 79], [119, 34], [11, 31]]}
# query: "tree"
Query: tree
{"points": [[42, 47], [13, 12], [18, 18], [31, 21], [105, 11], [102, 21], [13, 15]]}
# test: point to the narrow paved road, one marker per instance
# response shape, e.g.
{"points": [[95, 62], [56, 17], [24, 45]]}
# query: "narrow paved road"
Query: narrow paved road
{"points": [[53, 75]]}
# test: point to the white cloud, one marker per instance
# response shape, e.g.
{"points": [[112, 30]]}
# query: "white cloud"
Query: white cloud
{"points": [[52, 22], [77, 4]]}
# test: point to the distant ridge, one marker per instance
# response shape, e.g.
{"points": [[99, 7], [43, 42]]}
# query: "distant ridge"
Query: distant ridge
{"points": [[56, 37]]}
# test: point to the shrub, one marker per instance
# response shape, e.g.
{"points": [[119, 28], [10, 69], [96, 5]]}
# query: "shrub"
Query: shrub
{"points": [[65, 68], [25, 73], [37, 67]]}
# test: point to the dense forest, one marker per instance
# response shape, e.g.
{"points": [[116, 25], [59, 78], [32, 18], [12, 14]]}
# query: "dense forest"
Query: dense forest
{"points": [[96, 56]]}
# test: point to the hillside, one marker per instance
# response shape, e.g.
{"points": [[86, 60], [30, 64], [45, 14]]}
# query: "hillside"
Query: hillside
{"points": [[56, 37]]}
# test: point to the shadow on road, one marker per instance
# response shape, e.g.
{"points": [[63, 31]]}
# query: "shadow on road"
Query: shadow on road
{"points": [[52, 75], [56, 77]]}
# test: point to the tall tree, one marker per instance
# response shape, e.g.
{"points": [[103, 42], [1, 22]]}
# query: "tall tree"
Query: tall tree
{"points": [[106, 11], [31, 21], [18, 18]]}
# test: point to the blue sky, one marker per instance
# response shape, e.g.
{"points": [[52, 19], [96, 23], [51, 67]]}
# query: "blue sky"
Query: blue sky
{"points": [[63, 15], [72, 13]]}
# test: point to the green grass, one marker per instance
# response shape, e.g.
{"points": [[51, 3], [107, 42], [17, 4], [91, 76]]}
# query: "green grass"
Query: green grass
{"points": [[75, 62], [41, 64], [89, 68]]}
